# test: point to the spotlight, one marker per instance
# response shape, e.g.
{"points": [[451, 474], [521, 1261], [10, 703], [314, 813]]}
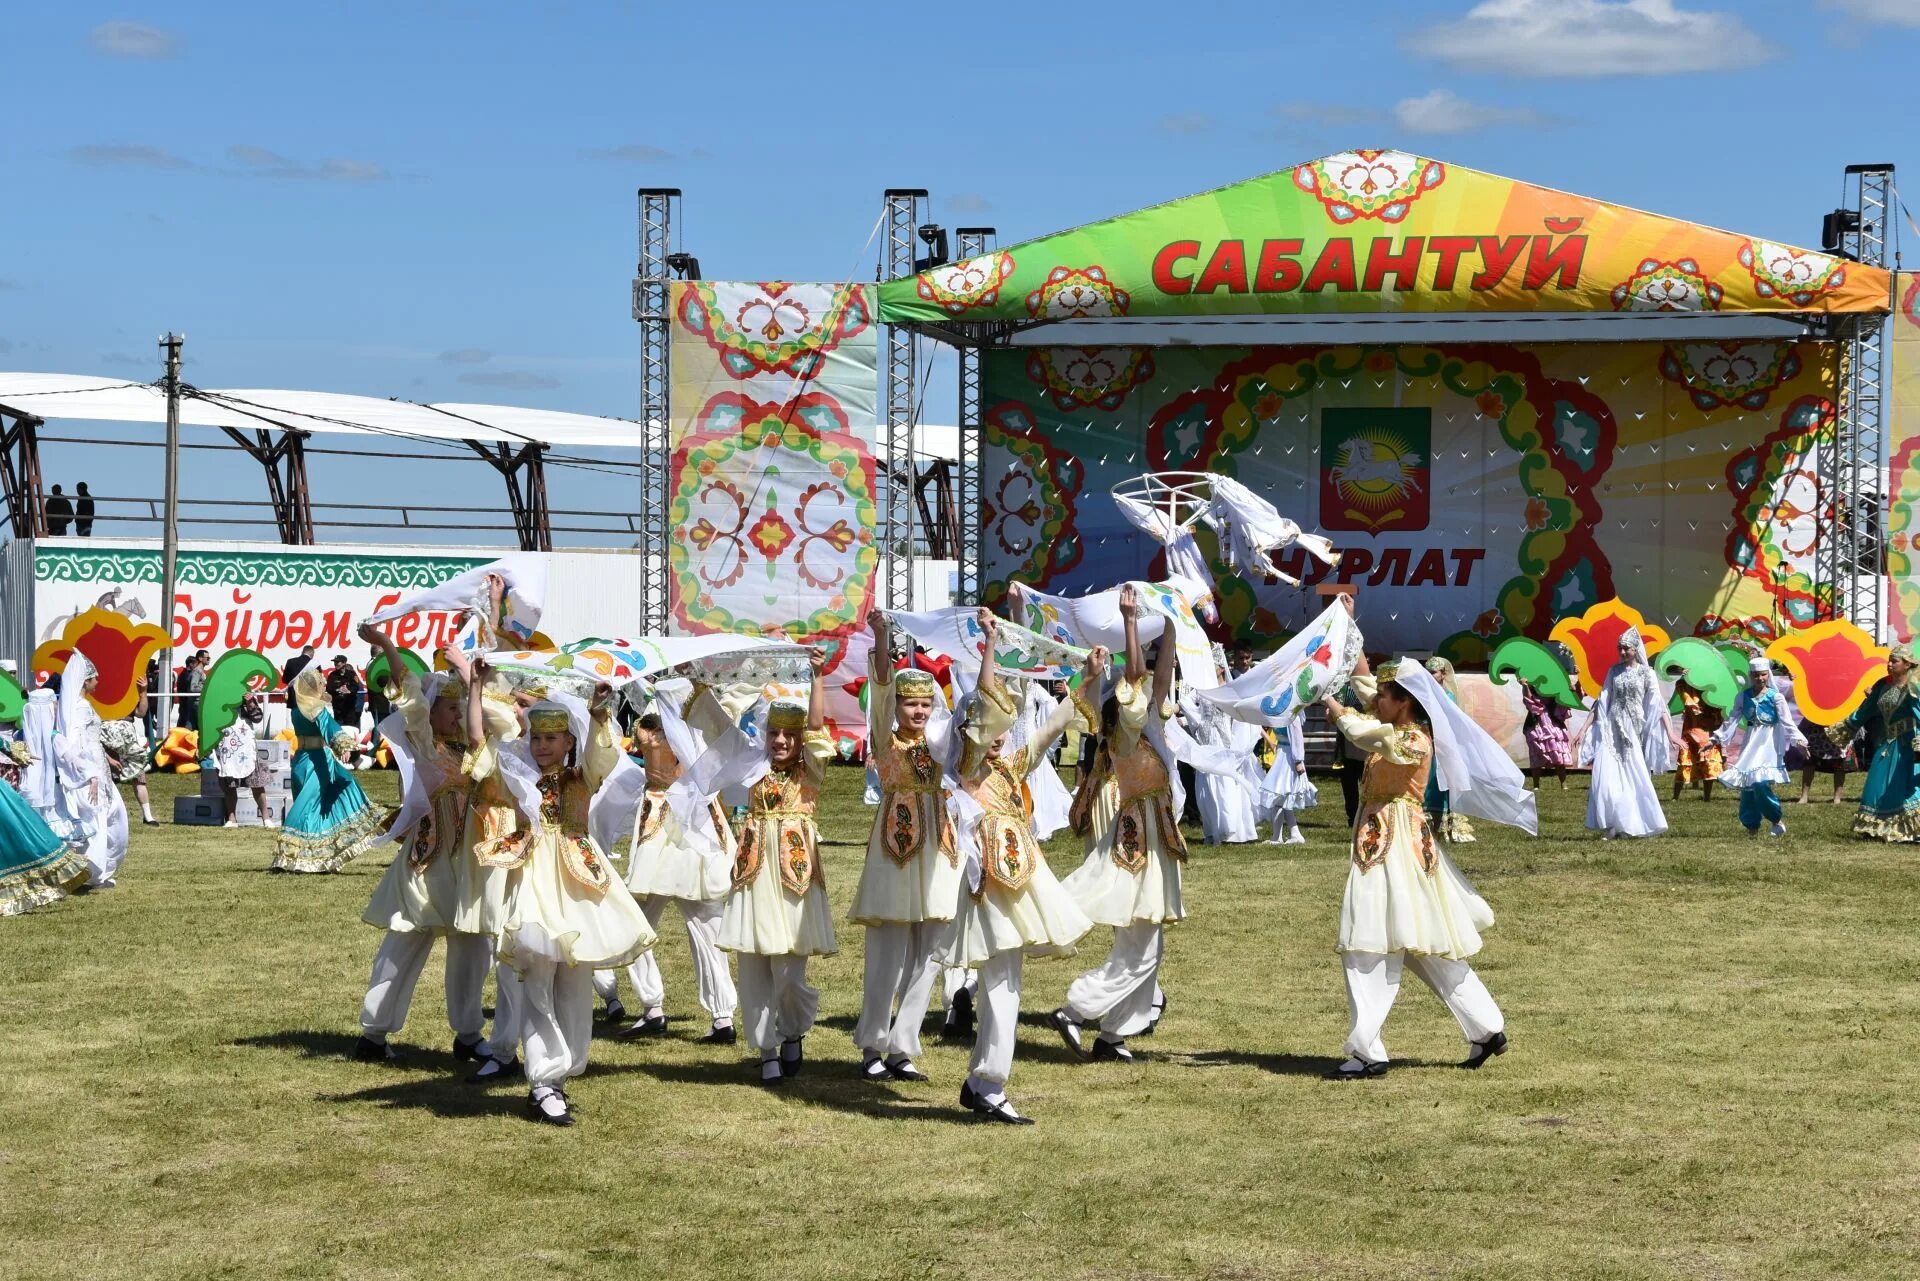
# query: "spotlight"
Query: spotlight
{"points": [[685, 266], [934, 237], [1835, 227]]}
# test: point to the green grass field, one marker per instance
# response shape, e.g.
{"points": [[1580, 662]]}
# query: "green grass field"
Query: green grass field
{"points": [[1712, 1041]]}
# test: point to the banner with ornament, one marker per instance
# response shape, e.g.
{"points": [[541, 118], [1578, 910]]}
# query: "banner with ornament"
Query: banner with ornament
{"points": [[1903, 483], [772, 487], [1372, 231], [1473, 492]]}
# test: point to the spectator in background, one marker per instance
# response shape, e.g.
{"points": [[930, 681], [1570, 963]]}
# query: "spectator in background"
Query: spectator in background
{"points": [[296, 665], [345, 692], [59, 513], [379, 706], [239, 763], [152, 687], [83, 511], [193, 679]]}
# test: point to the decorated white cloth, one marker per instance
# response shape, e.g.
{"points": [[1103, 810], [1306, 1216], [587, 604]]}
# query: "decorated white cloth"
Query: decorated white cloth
{"points": [[521, 604], [1628, 739], [1478, 775], [1184, 557], [1094, 619], [716, 660], [1018, 651], [1251, 529], [92, 814], [1278, 689]]}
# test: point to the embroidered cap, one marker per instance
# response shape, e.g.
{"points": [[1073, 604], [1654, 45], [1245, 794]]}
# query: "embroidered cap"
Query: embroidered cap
{"points": [[1388, 670], [911, 682], [786, 714], [1759, 664], [549, 718]]}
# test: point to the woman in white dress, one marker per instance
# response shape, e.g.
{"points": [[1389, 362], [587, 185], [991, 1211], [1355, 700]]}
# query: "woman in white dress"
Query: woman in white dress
{"points": [[1628, 738], [1227, 812], [92, 813], [1288, 786]]}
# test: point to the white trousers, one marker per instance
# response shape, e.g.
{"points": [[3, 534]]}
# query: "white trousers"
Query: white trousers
{"points": [[998, 1003], [900, 964], [712, 979], [775, 1002], [509, 1004], [397, 967], [1373, 980], [956, 978], [556, 1020], [1119, 995]]}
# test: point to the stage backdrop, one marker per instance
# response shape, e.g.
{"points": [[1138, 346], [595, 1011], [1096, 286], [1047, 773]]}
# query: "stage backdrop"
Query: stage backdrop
{"points": [[772, 485], [1475, 491], [1903, 435]]}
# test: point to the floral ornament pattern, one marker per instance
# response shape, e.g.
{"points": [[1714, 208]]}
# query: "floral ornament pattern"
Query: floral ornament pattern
{"points": [[960, 287], [117, 647], [1833, 664], [1796, 275], [1780, 510], [1096, 377], [773, 327], [1742, 374], [773, 508], [1028, 500], [1075, 293], [1667, 286], [1369, 184], [1594, 638]]}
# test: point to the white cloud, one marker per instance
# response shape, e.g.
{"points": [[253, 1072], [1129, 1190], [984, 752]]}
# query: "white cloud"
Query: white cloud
{"points": [[635, 153], [1565, 38], [968, 202], [127, 155], [133, 40], [1445, 112], [1186, 123], [1899, 13], [271, 164], [515, 378], [467, 356]]}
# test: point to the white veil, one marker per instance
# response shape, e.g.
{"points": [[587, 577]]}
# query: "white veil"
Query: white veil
{"points": [[38, 725], [1479, 777]]}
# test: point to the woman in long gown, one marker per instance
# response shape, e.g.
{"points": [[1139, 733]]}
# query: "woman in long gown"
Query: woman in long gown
{"points": [[36, 866], [1289, 790], [90, 812], [330, 822], [1227, 812], [1629, 737], [1890, 797], [1548, 746]]}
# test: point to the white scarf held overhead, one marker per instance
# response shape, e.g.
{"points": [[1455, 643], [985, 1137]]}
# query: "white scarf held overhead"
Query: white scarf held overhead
{"points": [[1094, 619], [1279, 689], [521, 604], [1017, 652]]}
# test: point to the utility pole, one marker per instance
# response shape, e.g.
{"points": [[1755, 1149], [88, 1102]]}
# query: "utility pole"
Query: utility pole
{"points": [[170, 540]]}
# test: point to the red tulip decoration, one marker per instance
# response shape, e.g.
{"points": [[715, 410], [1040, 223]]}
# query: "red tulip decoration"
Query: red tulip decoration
{"points": [[1833, 664], [117, 647], [1594, 638]]}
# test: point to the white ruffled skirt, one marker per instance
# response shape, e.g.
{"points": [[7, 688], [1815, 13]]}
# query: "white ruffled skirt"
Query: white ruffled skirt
{"points": [[550, 916], [1404, 894], [1040, 918]]}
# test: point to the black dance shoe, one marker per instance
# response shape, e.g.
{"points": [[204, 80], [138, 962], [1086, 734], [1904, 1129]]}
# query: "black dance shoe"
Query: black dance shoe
{"points": [[1484, 1050], [368, 1050]]}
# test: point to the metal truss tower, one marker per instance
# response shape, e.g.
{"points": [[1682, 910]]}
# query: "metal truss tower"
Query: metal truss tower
{"points": [[971, 242], [651, 303], [1853, 554], [898, 463]]}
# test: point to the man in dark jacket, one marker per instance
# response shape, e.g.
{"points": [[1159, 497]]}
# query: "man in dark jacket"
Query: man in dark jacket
{"points": [[83, 512], [296, 665], [344, 690], [59, 513]]}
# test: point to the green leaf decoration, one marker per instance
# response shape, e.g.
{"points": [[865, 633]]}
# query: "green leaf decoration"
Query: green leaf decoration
{"points": [[13, 699], [1736, 660], [1705, 668], [378, 675], [228, 683], [1536, 666]]}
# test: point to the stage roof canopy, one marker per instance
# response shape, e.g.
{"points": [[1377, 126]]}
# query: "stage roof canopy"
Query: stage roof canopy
{"points": [[79, 396], [1380, 232]]}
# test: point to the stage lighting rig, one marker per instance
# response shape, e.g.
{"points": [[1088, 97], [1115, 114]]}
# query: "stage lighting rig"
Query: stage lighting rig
{"points": [[1835, 228], [934, 237], [684, 266]]}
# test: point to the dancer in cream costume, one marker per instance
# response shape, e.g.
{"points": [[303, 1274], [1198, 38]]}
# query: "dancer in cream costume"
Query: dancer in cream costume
{"points": [[1131, 877], [1407, 907], [910, 885], [435, 887], [566, 912], [674, 865], [776, 914], [1016, 907]]}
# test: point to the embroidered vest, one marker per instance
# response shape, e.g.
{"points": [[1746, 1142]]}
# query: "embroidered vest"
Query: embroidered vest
{"points": [[908, 774], [780, 807], [1146, 796]]}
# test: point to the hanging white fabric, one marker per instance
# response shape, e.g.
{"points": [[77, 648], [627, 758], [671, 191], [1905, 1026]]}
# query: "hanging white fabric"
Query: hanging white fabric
{"points": [[1251, 529], [1479, 777], [1279, 689]]}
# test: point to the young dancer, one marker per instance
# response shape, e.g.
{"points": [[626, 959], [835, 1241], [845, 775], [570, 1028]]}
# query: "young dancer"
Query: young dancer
{"points": [[776, 914], [1289, 786], [441, 729], [910, 885], [1769, 725], [566, 913], [329, 822], [1407, 907], [1016, 908], [1631, 741], [1548, 747], [1700, 758]]}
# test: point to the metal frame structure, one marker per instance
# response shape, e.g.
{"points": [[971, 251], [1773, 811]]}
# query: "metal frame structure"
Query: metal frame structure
{"points": [[970, 580], [651, 306], [1852, 556], [531, 520], [292, 505], [20, 473], [897, 452]]}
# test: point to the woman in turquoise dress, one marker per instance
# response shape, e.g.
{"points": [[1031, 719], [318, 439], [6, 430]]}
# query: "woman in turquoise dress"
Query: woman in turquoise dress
{"points": [[1890, 800], [36, 866], [330, 822]]}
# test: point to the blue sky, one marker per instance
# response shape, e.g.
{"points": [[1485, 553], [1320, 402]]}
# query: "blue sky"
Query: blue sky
{"points": [[436, 200]]}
